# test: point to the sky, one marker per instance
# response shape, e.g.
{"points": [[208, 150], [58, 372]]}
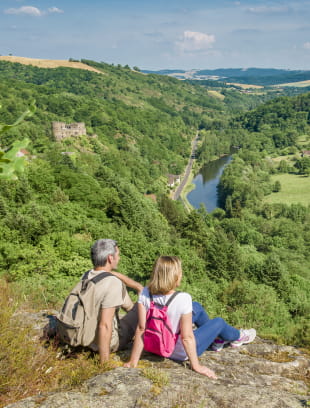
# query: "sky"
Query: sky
{"points": [[160, 34]]}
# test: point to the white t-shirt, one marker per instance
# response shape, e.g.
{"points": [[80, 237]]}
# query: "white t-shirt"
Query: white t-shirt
{"points": [[181, 304]]}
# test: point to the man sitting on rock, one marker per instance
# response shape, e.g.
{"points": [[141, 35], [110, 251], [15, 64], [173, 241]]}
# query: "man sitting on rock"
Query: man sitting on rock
{"points": [[103, 331]]}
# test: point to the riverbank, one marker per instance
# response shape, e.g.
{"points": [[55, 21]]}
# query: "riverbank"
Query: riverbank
{"points": [[188, 187], [206, 181], [177, 193]]}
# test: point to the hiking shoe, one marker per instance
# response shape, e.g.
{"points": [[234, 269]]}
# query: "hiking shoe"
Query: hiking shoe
{"points": [[246, 336], [218, 344]]}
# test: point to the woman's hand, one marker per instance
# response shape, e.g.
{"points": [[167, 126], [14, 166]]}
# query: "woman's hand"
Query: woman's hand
{"points": [[200, 369]]}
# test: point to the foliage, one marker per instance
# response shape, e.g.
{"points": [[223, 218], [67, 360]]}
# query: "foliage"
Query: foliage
{"points": [[139, 129], [10, 163], [26, 366]]}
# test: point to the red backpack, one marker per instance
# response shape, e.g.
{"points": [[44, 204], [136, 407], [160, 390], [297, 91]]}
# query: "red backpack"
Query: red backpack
{"points": [[158, 336]]}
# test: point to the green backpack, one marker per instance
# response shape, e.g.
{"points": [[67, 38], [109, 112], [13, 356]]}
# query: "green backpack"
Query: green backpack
{"points": [[77, 322]]}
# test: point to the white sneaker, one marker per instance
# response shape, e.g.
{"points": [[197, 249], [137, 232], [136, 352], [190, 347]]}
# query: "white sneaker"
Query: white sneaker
{"points": [[246, 336], [218, 344]]}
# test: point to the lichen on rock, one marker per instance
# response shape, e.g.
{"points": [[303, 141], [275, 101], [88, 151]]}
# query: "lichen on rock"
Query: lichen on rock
{"points": [[260, 375]]}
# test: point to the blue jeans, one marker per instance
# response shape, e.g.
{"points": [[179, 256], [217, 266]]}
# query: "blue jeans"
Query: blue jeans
{"points": [[208, 329]]}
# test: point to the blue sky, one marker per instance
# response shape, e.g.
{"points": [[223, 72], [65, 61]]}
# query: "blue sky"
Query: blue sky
{"points": [[159, 34]]}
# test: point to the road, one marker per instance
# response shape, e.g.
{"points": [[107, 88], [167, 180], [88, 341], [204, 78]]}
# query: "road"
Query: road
{"points": [[188, 169]]}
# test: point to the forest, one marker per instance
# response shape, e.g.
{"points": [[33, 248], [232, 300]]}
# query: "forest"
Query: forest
{"points": [[252, 76], [247, 261]]}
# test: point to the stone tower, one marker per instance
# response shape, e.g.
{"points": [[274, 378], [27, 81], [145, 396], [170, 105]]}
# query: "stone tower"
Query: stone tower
{"points": [[62, 130]]}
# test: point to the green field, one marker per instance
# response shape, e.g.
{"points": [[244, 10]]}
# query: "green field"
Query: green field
{"points": [[294, 189]]}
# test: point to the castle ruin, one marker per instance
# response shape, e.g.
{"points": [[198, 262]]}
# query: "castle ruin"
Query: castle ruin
{"points": [[62, 130]]}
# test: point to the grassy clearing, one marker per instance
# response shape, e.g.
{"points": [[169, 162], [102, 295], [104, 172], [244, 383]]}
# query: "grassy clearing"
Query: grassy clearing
{"points": [[294, 84], [44, 63], [245, 86], [303, 140], [294, 189], [287, 157], [216, 94]]}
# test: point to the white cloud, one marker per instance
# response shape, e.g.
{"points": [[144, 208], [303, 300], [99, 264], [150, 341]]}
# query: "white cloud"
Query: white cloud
{"points": [[55, 10], [268, 9], [306, 46], [30, 10], [33, 11], [195, 42]]}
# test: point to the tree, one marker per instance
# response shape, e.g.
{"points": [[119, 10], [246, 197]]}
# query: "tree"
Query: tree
{"points": [[303, 165], [276, 187]]}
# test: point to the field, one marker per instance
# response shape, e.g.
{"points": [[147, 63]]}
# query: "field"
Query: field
{"points": [[246, 86], [304, 140], [42, 63], [295, 84], [294, 189], [216, 94], [287, 157]]}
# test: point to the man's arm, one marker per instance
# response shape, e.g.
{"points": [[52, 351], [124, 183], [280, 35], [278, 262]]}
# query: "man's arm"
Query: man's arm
{"points": [[105, 333], [138, 342], [128, 281]]}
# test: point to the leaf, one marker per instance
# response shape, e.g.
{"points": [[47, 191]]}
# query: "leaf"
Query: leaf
{"points": [[10, 163], [29, 112]]}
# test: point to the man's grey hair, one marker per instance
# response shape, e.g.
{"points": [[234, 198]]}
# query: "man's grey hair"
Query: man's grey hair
{"points": [[100, 251]]}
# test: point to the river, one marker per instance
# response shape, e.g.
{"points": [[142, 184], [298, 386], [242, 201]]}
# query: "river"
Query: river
{"points": [[206, 182]]}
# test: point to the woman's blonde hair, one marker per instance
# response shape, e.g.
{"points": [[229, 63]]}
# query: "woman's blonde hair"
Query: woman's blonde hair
{"points": [[165, 275]]}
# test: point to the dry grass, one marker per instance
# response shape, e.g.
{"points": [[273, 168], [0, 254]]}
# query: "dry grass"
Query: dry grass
{"points": [[29, 366], [42, 63], [216, 94], [246, 86], [158, 377], [275, 356], [300, 84]]}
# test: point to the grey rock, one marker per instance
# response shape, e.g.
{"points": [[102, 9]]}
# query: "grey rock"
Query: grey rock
{"points": [[260, 375]]}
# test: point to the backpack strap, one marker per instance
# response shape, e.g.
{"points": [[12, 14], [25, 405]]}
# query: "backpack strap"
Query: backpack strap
{"points": [[101, 276], [171, 298], [95, 279], [168, 302], [85, 276]]}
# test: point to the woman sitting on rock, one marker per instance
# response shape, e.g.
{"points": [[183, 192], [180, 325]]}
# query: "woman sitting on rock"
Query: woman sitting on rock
{"points": [[182, 312]]}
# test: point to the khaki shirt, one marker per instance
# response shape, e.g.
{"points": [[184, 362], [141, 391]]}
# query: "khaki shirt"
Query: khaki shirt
{"points": [[111, 292]]}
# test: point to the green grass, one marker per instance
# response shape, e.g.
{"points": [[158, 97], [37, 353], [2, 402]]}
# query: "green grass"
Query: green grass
{"points": [[294, 189], [303, 140], [189, 186]]}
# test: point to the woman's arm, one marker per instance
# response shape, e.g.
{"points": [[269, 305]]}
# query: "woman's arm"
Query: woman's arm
{"points": [[128, 281], [138, 342], [189, 343]]}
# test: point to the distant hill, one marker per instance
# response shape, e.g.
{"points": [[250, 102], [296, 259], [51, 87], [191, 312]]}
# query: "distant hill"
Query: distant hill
{"points": [[253, 76], [46, 63]]}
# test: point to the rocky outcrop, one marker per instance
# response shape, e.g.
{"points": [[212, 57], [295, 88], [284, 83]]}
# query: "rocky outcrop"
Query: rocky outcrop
{"points": [[260, 375]]}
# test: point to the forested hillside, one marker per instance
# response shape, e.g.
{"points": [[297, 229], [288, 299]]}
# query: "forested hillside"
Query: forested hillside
{"points": [[247, 262], [252, 76]]}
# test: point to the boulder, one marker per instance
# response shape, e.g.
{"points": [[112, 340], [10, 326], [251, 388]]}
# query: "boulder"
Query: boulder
{"points": [[260, 375]]}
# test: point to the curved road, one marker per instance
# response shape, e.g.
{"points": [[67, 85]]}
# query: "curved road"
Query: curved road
{"points": [[188, 169]]}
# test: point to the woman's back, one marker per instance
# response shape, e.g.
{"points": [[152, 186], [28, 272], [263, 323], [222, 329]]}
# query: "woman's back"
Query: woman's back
{"points": [[181, 304]]}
